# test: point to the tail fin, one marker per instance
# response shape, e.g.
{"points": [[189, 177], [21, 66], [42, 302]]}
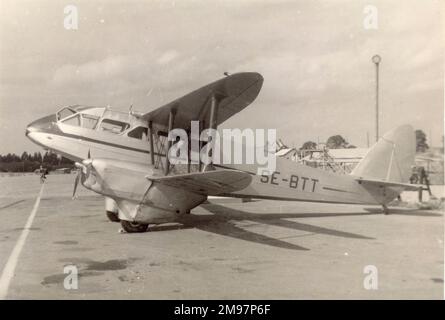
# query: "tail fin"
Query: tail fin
{"points": [[391, 158]]}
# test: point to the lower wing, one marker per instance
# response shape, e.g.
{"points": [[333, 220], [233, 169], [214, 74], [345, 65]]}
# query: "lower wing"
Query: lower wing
{"points": [[207, 183]]}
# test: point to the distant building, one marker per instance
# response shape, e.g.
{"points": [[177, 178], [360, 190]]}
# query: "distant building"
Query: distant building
{"points": [[345, 160], [337, 160]]}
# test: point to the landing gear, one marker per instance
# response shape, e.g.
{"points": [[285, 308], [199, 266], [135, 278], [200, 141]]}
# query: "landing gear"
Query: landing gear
{"points": [[132, 227], [385, 209], [113, 216]]}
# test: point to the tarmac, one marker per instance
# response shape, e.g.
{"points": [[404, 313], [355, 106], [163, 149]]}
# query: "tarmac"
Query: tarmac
{"points": [[225, 249]]}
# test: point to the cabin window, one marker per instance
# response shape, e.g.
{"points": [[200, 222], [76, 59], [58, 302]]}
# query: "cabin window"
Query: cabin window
{"points": [[113, 126], [73, 121], [65, 112], [138, 133], [89, 121]]}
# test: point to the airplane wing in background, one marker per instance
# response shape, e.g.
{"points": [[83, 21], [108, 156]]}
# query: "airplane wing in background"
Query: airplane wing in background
{"points": [[209, 182], [235, 92]]}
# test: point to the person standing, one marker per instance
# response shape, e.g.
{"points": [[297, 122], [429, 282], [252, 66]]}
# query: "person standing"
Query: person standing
{"points": [[44, 172]]}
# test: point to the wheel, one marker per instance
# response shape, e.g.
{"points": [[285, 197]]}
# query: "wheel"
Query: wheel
{"points": [[132, 227], [113, 216]]}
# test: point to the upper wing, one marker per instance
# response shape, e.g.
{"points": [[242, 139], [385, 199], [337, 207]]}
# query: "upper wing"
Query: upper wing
{"points": [[381, 183], [236, 92], [209, 182]]}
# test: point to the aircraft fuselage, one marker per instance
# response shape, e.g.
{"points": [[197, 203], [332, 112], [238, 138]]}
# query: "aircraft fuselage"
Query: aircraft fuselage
{"points": [[290, 180]]}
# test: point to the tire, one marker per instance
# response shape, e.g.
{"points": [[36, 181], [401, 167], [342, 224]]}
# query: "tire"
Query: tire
{"points": [[133, 227], [113, 216]]}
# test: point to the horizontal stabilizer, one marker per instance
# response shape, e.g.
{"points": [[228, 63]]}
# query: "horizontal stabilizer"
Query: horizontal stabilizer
{"points": [[209, 183], [381, 183]]}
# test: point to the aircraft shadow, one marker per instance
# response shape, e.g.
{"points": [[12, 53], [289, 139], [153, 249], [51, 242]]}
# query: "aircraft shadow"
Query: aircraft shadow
{"points": [[222, 221], [406, 212], [11, 204], [161, 227]]}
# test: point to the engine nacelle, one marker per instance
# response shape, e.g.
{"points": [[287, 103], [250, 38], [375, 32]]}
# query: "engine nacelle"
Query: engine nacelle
{"points": [[111, 205], [131, 211], [138, 198]]}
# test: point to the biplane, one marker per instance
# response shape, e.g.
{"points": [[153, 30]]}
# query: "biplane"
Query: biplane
{"points": [[124, 157]]}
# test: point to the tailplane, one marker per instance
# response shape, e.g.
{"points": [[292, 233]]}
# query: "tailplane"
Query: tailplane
{"points": [[385, 170]]}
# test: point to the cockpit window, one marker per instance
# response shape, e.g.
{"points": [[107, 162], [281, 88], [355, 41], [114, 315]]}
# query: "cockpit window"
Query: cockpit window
{"points": [[89, 121], [138, 133], [65, 112], [73, 121], [113, 126]]}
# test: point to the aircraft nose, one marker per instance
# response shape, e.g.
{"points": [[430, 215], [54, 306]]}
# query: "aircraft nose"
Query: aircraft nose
{"points": [[41, 125]]}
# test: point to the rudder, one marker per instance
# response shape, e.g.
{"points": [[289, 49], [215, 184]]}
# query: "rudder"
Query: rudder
{"points": [[391, 158]]}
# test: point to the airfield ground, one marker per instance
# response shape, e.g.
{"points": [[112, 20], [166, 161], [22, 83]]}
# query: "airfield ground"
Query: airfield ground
{"points": [[224, 250]]}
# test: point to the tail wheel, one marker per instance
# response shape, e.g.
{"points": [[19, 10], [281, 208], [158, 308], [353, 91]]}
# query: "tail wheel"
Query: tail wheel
{"points": [[113, 216], [132, 227]]}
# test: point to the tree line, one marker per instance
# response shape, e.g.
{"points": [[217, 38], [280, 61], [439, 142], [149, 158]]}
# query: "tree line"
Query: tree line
{"points": [[338, 142], [28, 162]]}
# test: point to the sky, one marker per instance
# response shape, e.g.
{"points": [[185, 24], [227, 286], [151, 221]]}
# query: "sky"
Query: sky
{"points": [[315, 57]]}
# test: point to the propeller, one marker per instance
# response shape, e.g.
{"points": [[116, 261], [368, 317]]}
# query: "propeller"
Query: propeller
{"points": [[79, 167], [76, 182]]}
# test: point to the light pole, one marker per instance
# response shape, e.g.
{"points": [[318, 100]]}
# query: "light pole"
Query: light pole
{"points": [[376, 59]]}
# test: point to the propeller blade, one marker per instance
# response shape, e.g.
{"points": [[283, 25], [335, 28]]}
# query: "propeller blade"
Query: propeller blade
{"points": [[84, 166], [76, 182]]}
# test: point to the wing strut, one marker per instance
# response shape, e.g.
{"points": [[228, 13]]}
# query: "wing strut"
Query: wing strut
{"points": [[214, 102], [152, 149], [171, 121], [213, 123]]}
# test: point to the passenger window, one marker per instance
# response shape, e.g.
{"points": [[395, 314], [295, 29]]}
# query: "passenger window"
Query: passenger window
{"points": [[138, 133], [113, 126], [74, 121], [89, 121]]}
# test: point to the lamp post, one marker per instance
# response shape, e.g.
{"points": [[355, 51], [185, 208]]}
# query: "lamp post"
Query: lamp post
{"points": [[376, 60]]}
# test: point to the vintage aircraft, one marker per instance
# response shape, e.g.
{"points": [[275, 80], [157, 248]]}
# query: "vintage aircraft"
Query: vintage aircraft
{"points": [[122, 155]]}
